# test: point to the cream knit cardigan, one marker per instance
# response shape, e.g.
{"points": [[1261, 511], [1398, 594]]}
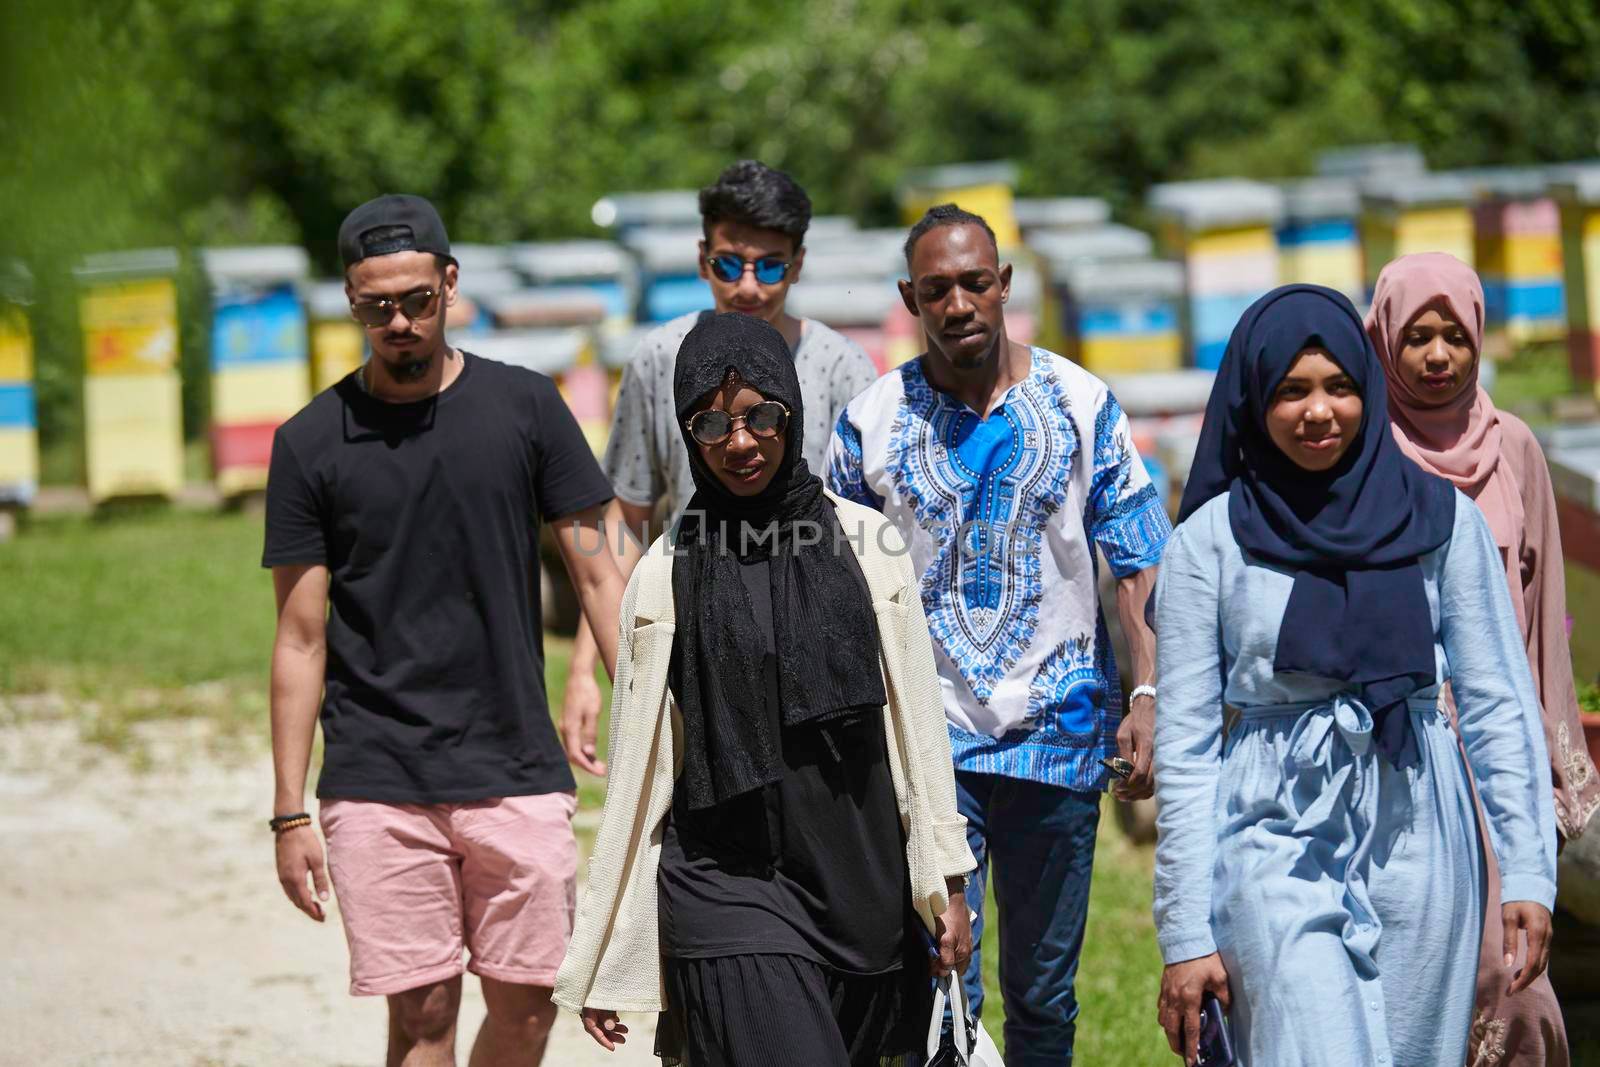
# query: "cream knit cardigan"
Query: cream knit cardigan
{"points": [[615, 958]]}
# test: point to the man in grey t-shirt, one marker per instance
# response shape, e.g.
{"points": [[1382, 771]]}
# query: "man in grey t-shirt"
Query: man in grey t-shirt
{"points": [[755, 220]]}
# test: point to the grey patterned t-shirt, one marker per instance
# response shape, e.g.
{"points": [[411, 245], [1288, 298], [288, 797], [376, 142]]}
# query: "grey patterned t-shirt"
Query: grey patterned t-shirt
{"points": [[645, 456]]}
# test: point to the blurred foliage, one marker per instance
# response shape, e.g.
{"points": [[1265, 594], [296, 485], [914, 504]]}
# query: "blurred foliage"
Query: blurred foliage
{"points": [[1583, 605], [184, 122], [1526, 384]]}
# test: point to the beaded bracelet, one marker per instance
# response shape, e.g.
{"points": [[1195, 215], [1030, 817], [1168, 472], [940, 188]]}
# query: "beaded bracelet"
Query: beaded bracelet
{"points": [[279, 823]]}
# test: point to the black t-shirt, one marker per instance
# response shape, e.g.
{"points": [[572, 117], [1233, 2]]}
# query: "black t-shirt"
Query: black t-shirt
{"points": [[427, 518]]}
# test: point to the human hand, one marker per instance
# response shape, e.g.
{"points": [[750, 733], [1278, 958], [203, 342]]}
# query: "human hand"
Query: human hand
{"points": [[1534, 922], [1178, 1008], [953, 931], [299, 854], [607, 1030], [1136, 739], [580, 720]]}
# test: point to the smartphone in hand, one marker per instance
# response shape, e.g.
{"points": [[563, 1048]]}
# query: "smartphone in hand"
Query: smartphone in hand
{"points": [[1216, 1040], [1117, 766]]}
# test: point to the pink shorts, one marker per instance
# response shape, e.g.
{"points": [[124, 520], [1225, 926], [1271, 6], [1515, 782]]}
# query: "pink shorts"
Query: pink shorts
{"points": [[417, 883]]}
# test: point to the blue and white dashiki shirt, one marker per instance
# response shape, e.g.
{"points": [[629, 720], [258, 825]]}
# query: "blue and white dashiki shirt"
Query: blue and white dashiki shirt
{"points": [[1001, 516]]}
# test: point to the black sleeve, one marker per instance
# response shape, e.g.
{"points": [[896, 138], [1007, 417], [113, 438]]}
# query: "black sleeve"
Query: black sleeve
{"points": [[294, 514], [567, 477]]}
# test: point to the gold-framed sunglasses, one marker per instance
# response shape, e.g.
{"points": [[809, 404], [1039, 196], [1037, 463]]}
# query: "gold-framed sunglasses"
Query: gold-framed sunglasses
{"points": [[766, 420], [422, 304]]}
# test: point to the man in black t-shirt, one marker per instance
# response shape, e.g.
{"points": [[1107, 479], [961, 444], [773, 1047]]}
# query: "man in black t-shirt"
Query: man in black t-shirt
{"points": [[403, 513]]}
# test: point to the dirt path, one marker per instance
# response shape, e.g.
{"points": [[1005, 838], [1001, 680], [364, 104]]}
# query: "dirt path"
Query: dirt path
{"points": [[143, 924]]}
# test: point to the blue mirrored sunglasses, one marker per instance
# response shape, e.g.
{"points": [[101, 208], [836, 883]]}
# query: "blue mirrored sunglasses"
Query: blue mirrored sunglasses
{"points": [[730, 268]]}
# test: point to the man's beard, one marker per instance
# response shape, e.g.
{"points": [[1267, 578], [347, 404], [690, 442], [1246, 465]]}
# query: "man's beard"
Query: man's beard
{"points": [[412, 370]]}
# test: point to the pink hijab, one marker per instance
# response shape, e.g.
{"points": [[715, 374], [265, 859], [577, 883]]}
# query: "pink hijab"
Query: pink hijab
{"points": [[1460, 440]]}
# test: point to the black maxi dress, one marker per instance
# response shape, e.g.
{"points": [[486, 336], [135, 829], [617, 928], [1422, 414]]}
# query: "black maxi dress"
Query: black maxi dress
{"points": [[786, 923]]}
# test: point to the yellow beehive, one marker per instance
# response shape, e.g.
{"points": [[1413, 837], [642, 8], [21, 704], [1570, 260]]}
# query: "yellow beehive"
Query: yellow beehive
{"points": [[338, 343], [1422, 213], [984, 189], [1224, 231], [133, 422], [1319, 242]]}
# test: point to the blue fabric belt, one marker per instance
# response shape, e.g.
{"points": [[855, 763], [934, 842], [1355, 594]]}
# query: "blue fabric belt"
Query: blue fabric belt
{"points": [[1334, 739], [1424, 704]]}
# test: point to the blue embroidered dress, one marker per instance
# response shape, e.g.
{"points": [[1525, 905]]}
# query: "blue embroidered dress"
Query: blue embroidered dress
{"points": [[1002, 516], [1345, 896]]}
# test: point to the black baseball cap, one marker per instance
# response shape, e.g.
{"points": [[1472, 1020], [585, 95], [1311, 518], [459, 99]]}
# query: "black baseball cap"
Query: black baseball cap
{"points": [[396, 222]]}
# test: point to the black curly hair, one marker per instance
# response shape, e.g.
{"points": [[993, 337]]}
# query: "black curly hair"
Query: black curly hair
{"points": [[754, 194], [946, 215]]}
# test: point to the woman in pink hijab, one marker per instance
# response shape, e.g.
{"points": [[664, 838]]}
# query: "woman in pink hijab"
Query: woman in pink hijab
{"points": [[1427, 325]]}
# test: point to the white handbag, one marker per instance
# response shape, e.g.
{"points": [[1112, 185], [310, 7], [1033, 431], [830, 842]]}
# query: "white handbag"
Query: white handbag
{"points": [[974, 1048]]}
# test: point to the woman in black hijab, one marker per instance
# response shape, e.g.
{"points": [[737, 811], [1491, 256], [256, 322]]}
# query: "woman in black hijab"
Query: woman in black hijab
{"points": [[808, 854], [1317, 864]]}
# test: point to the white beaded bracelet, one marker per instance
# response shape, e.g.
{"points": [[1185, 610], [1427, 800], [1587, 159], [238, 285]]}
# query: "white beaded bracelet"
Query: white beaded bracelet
{"points": [[1141, 691]]}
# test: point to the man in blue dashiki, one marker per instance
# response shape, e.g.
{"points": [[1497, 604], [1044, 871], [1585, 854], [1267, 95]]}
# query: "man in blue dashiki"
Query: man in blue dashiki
{"points": [[1003, 466]]}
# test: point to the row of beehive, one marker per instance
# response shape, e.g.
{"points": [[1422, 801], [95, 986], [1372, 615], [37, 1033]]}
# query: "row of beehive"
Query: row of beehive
{"points": [[1228, 241], [1082, 285], [1237, 239]]}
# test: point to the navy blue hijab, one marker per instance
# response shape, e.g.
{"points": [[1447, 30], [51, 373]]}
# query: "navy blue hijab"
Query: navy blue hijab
{"points": [[1352, 534]]}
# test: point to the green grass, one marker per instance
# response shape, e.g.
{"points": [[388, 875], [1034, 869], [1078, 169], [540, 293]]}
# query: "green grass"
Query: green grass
{"points": [[155, 613], [152, 598]]}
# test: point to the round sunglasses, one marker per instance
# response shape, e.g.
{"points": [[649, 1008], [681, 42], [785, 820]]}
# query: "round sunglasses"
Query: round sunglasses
{"points": [[728, 267], [766, 419], [416, 306]]}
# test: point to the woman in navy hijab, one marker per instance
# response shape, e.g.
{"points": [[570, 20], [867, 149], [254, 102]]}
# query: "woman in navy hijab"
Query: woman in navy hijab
{"points": [[1318, 866]]}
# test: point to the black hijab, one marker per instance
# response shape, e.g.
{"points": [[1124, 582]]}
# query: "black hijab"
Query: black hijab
{"points": [[824, 630], [1351, 535]]}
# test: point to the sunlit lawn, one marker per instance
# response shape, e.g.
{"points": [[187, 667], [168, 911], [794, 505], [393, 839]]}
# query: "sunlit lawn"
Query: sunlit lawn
{"points": [[160, 613]]}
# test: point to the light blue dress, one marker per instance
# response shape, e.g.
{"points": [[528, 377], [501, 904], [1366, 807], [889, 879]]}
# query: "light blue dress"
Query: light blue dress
{"points": [[1344, 896]]}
